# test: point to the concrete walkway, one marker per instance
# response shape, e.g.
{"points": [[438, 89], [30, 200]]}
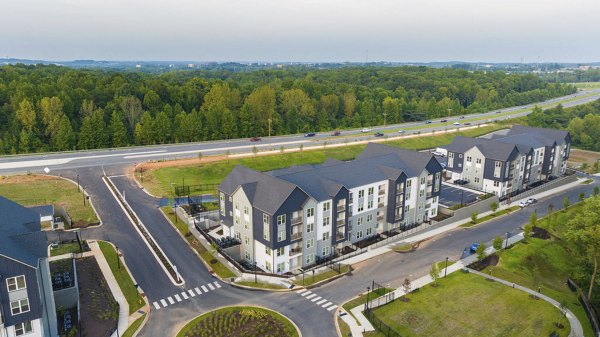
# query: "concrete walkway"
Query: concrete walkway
{"points": [[576, 328]]}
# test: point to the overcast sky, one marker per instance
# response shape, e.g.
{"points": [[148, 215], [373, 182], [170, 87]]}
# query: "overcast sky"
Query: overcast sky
{"points": [[302, 30]]}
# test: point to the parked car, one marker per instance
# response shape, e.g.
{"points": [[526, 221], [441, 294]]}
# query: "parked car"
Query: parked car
{"points": [[474, 247], [365, 130], [523, 204], [437, 153], [443, 121], [456, 123], [427, 122], [309, 134], [336, 133], [462, 117], [461, 181], [531, 201], [254, 139], [378, 134], [401, 131]]}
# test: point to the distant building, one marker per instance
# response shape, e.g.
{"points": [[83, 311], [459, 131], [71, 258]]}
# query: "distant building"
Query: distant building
{"points": [[26, 297], [292, 218]]}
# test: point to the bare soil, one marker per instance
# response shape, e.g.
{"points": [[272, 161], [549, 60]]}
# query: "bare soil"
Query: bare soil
{"points": [[577, 157], [488, 261]]}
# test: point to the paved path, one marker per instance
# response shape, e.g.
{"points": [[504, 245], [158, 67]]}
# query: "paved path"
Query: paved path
{"points": [[576, 328]]}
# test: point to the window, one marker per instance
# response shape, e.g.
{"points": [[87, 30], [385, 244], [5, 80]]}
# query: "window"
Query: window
{"points": [[408, 183], [359, 221], [369, 231], [222, 203], [23, 328], [310, 212], [496, 183], [280, 267], [350, 198], [266, 219], [16, 283], [406, 208], [326, 206], [246, 210], [361, 194], [421, 193], [325, 236], [310, 227], [268, 251], [359, 234], [437, 181], [266, 232], [423, 180], [361, 206], [19, 306], [247, 256], [478, 161], [326, 221], [370, 204], [371, 189], [468, 159], [407, 194], [280, 236], [281, 220], [237, 205], [238, 236], [280, 251], [310, 258], [246, 240], [326, 251], [237, 220], [268, 266], [369, 217], [309, 243], [476, 180]]}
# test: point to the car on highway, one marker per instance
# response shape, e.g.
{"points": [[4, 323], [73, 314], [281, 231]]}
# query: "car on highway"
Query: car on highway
{"points": [[474, 247], [443, 121], [309, 134], [255, 139], [462, 117], [378, 134], [467, 123], [365, 130], [336, 133], [427, 122], [401, 131], [456, 123]]}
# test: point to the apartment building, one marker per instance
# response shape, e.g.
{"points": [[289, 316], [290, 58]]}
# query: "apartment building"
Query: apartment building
{"points": [[292, 218], [26, 297], [507, 164]]}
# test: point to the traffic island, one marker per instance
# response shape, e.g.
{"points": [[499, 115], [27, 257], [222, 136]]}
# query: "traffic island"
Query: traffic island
{"points": [[242, 321]]}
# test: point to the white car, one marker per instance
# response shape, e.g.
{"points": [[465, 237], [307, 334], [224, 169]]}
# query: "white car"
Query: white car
{"points": [[401, 131], [523, 204], [365, 130], [456, 123]]}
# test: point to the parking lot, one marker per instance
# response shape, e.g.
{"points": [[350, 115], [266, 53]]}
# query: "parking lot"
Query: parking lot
{"points": [[452, 195]]}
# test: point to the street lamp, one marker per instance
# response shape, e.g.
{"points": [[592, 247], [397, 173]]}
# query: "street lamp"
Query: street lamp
{"points": [[367, 302], [506, 244], [118, 259], [446, 270], [255, 280]]}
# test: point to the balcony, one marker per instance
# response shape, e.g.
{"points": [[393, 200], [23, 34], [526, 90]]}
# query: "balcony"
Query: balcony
{"points": [[339, 236], [296, 251], [340, 222], [296, 236], [381, 204], [297, 221], [380, 217], [381, 192], [341, 208]]}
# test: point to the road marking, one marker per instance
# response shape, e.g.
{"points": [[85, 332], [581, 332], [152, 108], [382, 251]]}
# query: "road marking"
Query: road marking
{"points": [[156, 305], [185, 296], [204, 288], [198, 291], [217, 284], [163, 302], [332, 307], [191, 293], [316, 299], [211, 286], [321, 301], [177, 298], [306, 293], [301, 291], [170, 300], [326, 304], [310, 296]]}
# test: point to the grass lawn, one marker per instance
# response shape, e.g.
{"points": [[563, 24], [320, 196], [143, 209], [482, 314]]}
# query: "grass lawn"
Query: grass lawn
{"points": [[33, 190], [239, 322], [586, 85], [216, 265], [134, 299], [158, 181], [134, 327], [260, 285], [469, 305], [318, 277], [490, 217], [403, 247], [65, 248], [362, 299]]}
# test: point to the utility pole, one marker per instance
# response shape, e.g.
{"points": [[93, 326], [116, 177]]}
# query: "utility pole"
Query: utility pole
{"points": [[269, 127], [78, 183]]}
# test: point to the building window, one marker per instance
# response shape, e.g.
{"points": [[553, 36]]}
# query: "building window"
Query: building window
{"points": [[468, 159], [246, 210], [237, 220], [350, 198], [266, 232], [371, 189], [268, 266], [406, 208], [359, 234], [16, 283], [266, 219], [281, 220], [326, 221], [268, 251], [478, 161], [421, 193], [280, 251], [238, 236], [326, 251], [407, 194], [423, 180], [408, 183], [222, 203], [438, 181], [309, 243], [280, 236], [361, 194], [496, 183], [370, 204], [237, 205], [280, 267], [369, 218], [326, 206], [369, 231], [310, 227], [325, 236], [359, 221], [23, 328], [310, 258], [476, 180], [361, 206], [246, 240], [310, 212], [19, 306]]}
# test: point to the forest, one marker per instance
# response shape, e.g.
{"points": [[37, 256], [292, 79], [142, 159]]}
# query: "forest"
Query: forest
{"points": [[54, 108]]}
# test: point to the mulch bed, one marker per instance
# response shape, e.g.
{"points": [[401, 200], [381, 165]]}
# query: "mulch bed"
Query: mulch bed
{"points": [[540, 233], [488, 261], [99, 310]]}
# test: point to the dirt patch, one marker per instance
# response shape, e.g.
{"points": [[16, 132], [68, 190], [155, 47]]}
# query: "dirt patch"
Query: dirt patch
{"points": [[99, 310], [24, 178], [179, 162], [488, 261], [540, 233], [577, 156]]}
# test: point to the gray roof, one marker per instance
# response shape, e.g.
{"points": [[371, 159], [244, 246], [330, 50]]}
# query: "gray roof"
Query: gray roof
{"points": [[238, 176], [411, 162], [492, 149], [551, 135], [45, 210], [22, 238]]}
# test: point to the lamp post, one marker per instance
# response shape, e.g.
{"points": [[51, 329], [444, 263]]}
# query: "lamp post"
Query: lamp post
{"points": [[118, 259], [78, 183], [506, 244], [446, 270], [367, 302], [255, 280]]}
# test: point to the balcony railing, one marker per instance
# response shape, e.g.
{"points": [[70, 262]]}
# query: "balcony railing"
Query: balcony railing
{"points": [[381, 192], [296, 236], [381, 204], [296, 221], [341, 208], [380, 217], [339, 236], [340, 222], [296, 251]]}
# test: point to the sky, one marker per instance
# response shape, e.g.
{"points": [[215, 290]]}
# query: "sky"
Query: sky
{"points": [[302, 30]]}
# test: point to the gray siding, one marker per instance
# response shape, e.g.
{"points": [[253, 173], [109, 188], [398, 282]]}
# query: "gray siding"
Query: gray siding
{"points": [[10, 268]]}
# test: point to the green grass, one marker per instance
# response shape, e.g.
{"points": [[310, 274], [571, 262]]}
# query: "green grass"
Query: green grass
{"points": [[318, 277], [442, 264], [239, 321], [65, 248], [468, 305], [260, 285], [345, 330], [133, 297], [158, 181], [587, 181], [586, 85], [134, 327], [32, 190], [362, 299], [490, 217], [403, 247], [216, 265]]}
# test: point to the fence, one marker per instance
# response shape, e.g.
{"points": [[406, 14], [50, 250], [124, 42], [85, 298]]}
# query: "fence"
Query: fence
{"points": [[587, 306], [189, 189], [380, 325]]}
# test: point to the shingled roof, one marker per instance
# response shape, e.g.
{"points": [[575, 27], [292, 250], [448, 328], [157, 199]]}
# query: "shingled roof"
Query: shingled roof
{"points": [[558, 136], [21, 237], [492, 149]]}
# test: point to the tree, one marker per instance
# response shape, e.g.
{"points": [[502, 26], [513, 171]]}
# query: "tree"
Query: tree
{"points": [[596, 191], [533, 219], [581, 196], [145, 131], [497, 244], [583, 231], [494, 207], [527, 230], [163, 130], [480, 251], [92, 134], [434, 272], [65, 137], [26, 115], [118, 131], [566, 204], [474, 217], [406, 285], [131, 108]]}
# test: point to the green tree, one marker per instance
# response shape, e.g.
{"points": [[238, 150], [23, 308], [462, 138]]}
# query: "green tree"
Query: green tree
{"points": [[583, 231], [527, 230], [497, 243], [92, 134], [131, 108], [118, 131], [65, 137], [434, 272], [581, 196], [26, 116], [494, 207], [596, 191], [145, 130], [474, 217], [163, 132], [533, 218], [480, 251]]}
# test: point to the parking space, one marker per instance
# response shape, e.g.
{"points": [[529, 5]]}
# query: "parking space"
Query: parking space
{"points": [[452, 195]]}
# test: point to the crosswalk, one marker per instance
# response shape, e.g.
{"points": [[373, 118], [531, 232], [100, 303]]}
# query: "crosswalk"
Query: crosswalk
{"points": [[186, 295], [316, 299]]}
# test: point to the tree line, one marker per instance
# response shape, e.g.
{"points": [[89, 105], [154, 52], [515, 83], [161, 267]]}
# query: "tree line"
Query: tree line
{"points": [[53, 108]]}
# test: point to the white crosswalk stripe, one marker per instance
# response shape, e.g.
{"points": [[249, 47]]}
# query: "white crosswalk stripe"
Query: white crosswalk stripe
{"points": [[211, 286], [185, 296], [326, 304], [310, 296], [331, 307], [170, 300], [198, 291], [177, 298], [316, 299], [321, 301], [191, 293], [156, 305], [301, 291], [204, 289], [306, 293], [217, 284], [163, 302]]}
